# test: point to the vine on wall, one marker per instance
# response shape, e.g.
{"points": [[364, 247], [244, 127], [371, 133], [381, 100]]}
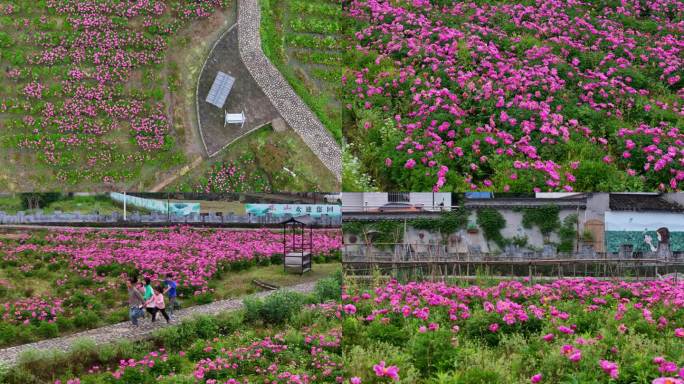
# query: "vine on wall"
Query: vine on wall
{"points": [[383, 231], [568, 233], [546, 218], [492, 222], [447, 223], [392, 231]]}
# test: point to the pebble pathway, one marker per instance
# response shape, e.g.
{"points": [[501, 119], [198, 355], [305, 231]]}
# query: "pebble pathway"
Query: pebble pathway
{"points": [[116, 332], [286, 101]]}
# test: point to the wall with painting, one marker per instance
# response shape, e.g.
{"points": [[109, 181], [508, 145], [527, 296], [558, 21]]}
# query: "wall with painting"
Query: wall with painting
{"points": [[640, 230]]}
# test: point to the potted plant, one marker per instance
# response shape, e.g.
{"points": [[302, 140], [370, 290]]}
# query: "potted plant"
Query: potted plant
{"points": [[472, 228]]}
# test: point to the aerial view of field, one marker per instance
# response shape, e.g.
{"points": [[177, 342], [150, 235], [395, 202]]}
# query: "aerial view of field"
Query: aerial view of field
{"points": [[111, 94], [515, 95]]}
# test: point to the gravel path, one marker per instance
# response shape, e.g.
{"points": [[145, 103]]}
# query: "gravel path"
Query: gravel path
{"points": [[286, 101], [112, 333]]}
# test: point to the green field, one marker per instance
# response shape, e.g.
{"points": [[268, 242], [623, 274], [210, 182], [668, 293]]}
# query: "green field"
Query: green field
{"points": [[302, 38]]}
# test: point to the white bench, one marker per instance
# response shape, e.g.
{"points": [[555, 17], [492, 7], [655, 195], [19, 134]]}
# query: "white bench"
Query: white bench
{"points": [[235, 118]]}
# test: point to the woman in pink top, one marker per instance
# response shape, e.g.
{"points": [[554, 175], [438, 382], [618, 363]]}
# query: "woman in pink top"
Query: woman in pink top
{"points": [[157, 300]]}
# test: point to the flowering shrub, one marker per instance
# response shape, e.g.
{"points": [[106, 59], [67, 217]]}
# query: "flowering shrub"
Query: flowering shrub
{"points": [[61, 280], [591, 330], [310, 354], [191, 256], [562, 95], [234, 176], [32, 309]]}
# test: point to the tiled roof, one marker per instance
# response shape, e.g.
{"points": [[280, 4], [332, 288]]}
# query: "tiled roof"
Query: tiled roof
{"points": [[642, 202]]}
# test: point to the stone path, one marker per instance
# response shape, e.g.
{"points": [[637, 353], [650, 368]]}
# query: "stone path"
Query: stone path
{"points": [[116, 332], [282, 96]]}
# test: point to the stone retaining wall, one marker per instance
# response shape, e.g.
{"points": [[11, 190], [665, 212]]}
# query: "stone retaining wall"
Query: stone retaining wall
{"points": [[290, 106]]}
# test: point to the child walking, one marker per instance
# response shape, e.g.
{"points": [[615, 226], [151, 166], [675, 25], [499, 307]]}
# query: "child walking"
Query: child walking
{"points": [[157, 300]]}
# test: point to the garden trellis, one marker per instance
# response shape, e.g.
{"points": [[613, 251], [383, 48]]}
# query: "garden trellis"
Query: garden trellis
{"points": [[297, 250]]}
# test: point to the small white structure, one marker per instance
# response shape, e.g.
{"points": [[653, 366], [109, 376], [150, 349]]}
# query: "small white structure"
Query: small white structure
{"points": [[372, 201], [235, 118]]}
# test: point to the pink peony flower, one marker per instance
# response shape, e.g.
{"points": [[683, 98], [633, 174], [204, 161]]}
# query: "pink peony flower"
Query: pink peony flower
{"points": [[383, 371]]}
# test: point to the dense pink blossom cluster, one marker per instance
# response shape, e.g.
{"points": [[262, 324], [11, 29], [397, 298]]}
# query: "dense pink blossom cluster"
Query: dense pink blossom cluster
{"points": [[311, 357], [192, 256], [234, 176], [263, 357], [431, 306], [31, 310], [475, 87]]}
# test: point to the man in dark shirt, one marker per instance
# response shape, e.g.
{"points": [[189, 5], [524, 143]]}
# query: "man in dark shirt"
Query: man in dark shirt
{"points": [[171, 291], [135, 301]]}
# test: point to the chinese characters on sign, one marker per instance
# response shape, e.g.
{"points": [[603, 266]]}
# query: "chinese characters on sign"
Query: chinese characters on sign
{"points": [[294, 209]]}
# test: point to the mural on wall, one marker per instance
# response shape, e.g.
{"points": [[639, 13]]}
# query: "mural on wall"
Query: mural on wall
{"points": [[654, 234]]}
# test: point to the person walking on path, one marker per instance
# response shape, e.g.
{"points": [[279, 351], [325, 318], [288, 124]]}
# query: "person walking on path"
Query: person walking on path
{"points": [[149, 293], [157, 300], [171, 291], [135, 301]]}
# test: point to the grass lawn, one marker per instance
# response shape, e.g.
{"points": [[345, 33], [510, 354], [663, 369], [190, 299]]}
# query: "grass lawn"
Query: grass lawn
{"points": [[84, 204], [236, 284]]}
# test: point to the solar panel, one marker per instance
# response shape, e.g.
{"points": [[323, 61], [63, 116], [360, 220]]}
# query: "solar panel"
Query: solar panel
{"points": [[220, 90]]}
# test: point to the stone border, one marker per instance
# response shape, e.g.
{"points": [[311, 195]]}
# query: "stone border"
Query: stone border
{"points": [[290, 106], [116, 332]]}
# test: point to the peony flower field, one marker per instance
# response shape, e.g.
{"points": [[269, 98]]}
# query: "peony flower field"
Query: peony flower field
{"points": [[565, 331], [58, 281], [300, 352], [565, 95], [85, 96]]}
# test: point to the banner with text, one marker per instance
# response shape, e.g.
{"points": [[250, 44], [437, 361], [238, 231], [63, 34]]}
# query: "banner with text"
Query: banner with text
{"points": [[314, 210]]}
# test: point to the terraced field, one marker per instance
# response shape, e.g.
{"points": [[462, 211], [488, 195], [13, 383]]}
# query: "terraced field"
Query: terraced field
{"points": [[303, 39]]}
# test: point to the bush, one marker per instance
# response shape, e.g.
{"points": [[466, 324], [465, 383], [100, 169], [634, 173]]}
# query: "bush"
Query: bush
{"points": [[177, 338], [432, 351], [47, 330], [229, 322], [328, 288], [479, 376], [86, 319], [178, 379], [389, 333], [18, 376], [64, 323], [277, 308]]}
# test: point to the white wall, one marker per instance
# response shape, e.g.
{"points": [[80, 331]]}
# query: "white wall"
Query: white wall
{"points": [[375, 199], [638, 221], [357, 201], [514, 227], [352, 201], [677, 198], [597, 205]]}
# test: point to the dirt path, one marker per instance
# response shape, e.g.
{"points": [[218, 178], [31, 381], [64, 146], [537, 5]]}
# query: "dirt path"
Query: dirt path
{"points": [[116, 332], [176, 175]]}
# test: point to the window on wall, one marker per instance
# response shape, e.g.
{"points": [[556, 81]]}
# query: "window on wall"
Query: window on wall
{"points": [[399, 197]]}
